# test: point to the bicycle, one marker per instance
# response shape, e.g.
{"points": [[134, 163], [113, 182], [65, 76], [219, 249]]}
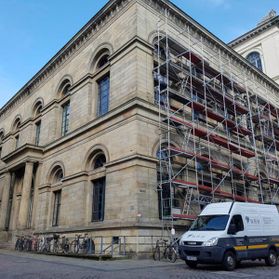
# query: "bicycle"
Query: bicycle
{"points": [[35, 243], [82, 244], [60, 247], [65, 245], [76, 244], [157, 250], [19, 245], [56, 245], [170, 251], [45, 244]]}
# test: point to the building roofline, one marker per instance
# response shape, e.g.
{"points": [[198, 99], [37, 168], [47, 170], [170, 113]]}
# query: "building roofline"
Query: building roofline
{"points": [[255, 31], [94, 24], [222, 44], [72, 45]]}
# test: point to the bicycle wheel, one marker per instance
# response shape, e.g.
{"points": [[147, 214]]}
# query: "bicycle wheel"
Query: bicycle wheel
{"points": [[156, 254], [170, 254], [55, 248], [74, 247], [17, 245], [66, 248]]}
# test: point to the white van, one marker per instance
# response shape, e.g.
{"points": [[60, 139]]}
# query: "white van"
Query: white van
{"points": [[230, 232]]}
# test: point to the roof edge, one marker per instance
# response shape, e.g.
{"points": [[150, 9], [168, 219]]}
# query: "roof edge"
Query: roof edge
{"points": [[71, 46], [258, 29]]}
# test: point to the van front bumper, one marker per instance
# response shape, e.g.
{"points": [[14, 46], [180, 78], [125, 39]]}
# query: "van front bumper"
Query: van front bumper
{"points": [[202, 254]]}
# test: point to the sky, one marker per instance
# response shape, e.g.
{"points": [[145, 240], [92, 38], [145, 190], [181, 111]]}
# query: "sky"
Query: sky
{"points": [[33, 31]]}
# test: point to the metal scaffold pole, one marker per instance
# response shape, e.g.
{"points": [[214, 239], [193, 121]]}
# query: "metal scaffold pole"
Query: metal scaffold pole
{"points": [[209, 147]]}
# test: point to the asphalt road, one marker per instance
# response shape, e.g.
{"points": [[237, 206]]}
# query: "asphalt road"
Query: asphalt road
{"points": [[16, 265]]}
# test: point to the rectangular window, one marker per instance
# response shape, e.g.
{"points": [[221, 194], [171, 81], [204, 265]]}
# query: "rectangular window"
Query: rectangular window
{"points": [[103, 95], [98, 203], [38, 133], [56, 208], [65, 119], [17, 141]]}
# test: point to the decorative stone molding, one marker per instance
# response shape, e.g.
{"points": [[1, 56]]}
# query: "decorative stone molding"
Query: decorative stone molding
{"points": [[180, 19], [86, 33], [254, 32]]}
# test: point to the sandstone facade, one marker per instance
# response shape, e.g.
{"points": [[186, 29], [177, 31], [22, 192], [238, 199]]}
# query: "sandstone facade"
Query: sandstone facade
{"points": [[127, 135]]}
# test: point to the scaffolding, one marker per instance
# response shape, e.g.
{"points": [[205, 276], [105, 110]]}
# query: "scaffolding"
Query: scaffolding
{"points": [[219, 137]]}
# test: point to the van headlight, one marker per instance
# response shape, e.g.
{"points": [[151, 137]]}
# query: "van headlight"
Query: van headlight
{"points": [[211, 242]]}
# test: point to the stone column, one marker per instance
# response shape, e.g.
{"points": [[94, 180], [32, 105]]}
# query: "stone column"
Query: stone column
{"points": [[36, 195], [5, 201], [25, 196]]}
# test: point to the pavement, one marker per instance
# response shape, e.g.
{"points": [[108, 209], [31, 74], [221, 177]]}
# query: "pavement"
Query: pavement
{"points": [[21, 265]]}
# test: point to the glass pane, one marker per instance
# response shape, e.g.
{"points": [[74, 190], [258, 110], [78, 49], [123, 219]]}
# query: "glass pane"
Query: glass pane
{"points": [[210, 223], [255, 59], [56, 209], [65, 119], [98, 202], [103, 95], [38, 132]]}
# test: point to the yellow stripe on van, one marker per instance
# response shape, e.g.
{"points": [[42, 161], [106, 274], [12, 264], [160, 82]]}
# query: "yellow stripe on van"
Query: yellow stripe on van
{"points": [[259, 246], [240, 248], [277, 244]]}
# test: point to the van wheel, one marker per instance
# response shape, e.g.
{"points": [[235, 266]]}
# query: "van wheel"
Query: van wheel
{"points": [[229, 261], [191, 264], [271, 259]]}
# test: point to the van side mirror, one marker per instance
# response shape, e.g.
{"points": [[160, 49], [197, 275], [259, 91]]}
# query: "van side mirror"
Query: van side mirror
{"points": [[232, 229]]}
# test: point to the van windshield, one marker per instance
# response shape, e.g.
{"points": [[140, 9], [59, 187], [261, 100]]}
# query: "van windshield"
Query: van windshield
{"points": [[210, 223]]}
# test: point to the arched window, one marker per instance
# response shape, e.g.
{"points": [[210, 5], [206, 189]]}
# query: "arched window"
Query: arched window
{"points": [[99, 161], [100, 61], [1, 136], [164, 194], [255, 59], [15, 130], [103, 61], [37, 109], [16, 124], [159, 47], [63, 92], [1, 140], [64, 88], [56, 176]]}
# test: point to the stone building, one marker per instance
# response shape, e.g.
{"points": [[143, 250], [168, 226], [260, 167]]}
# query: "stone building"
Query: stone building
{"points": [[261, 45], [80, 142]]}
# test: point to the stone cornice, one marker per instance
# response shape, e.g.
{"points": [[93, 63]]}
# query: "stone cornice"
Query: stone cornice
{"points": [[255, 32], [37, 152], [182, 20], [26, 151], [86, 33]]}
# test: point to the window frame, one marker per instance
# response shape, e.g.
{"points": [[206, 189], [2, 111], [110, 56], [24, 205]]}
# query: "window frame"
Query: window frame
{"points": [[103, 85], [256, 61], [98, 200], [17, 141], [38, 126], [56, 207], [65, 123], [237, 228]]}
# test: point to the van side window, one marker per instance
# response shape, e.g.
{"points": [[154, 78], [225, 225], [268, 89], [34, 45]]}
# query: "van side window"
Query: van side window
{"points": [[237, 220]]}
